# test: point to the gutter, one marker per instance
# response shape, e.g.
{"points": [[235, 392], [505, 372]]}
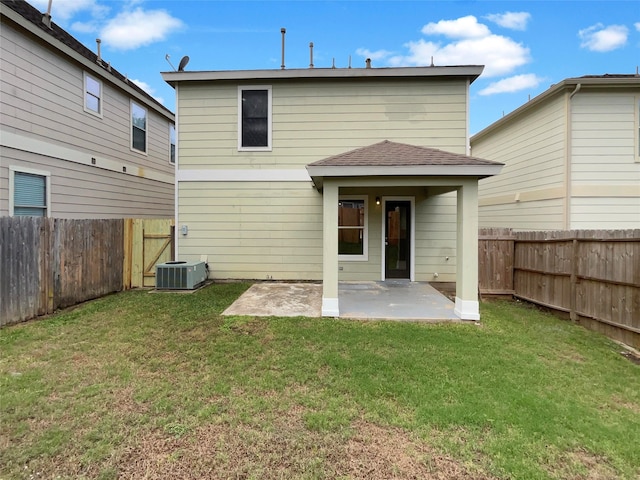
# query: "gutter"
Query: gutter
{"points": [[568, 159]]}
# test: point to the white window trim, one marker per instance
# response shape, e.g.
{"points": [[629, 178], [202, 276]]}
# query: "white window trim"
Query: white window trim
{"points": [[269, 146], [412, 250], [42, 173], [175, 132], [365, 231], [146, 131], [84, 95]]}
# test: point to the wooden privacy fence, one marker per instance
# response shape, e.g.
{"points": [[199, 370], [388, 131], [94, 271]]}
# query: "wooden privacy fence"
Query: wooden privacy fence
{"points": [[591, 275], [47, 264]]}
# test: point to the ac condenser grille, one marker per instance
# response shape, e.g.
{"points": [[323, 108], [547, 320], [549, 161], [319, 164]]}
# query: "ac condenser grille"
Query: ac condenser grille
{"points": [[180, 275]]}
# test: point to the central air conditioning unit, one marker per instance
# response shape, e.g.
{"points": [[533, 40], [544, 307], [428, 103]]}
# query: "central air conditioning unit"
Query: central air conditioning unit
{"points": [[180, 275]]}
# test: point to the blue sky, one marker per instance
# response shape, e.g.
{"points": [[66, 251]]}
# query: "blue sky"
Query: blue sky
{"points": [[526, 46]]}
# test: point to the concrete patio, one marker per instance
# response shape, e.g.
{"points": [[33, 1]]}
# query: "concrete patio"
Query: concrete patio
{"points": [[389, 300]]}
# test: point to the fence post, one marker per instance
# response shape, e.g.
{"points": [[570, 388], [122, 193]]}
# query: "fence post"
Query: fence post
{"points": [[574, 279]]}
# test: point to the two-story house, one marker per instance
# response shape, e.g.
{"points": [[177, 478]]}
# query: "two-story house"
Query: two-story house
{"points": [[571, 155], [77, 138], [340, 174]]}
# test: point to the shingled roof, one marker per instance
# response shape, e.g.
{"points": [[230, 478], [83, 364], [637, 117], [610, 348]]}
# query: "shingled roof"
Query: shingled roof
{"points": [[392, 154], [391, 159], [31, 14]]}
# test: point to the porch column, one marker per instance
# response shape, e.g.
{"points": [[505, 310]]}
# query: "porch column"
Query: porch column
{"points": [[467, 307], [330, 249]]}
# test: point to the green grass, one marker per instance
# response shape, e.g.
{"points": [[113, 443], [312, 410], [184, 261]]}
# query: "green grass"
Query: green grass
{"points": [[161, 385]]}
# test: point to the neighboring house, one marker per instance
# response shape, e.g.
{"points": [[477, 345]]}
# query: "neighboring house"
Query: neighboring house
{"points": [[571, 155], [77, 138], [325, 174]]}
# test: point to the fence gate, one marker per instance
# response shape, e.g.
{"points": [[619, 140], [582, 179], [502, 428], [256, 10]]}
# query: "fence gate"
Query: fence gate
{"points": [[150, 243]]}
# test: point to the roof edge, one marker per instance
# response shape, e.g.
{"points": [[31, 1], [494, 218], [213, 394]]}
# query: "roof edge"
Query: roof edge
{"points": [[471, 72]]}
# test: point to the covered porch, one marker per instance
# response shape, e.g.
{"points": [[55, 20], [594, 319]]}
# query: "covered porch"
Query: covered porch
{"points": [[421, 173]]}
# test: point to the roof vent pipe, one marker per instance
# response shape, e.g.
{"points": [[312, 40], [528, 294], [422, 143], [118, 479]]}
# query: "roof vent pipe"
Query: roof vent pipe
{"points": [[368, 62], [99, 59], [349, 61], [46, 18], [283, 31], [310, 54]]}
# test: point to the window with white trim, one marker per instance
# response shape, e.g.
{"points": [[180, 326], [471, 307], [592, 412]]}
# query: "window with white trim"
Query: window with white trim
{"points": [[29, 192], [353, 232], [172, 142], [254, 118], [138, 128], [92, 95]]}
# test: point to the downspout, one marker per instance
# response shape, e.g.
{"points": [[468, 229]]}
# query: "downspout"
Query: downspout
{"points": [[568, 160]]}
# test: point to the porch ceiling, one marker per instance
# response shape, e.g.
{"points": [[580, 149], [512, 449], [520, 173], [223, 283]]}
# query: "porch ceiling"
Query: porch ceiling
{"points": [[392, 159]]}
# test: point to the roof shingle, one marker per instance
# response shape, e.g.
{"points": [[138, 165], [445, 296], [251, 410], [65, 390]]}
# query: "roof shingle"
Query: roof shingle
{"points": [[392, 154]]}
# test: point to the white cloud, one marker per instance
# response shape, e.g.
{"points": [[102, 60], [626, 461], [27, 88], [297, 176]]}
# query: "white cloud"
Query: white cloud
{"points": [[512, 84], [147, 88], [637, 25], [472, 44], [464, 27], [599, 38], [377, 55], [84, 27], [512, 20], [64, 9], [136, 28], [499, 54]]}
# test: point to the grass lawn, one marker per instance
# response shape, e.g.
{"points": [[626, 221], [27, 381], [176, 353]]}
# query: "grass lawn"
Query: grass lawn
{"points": [[140, 385]]}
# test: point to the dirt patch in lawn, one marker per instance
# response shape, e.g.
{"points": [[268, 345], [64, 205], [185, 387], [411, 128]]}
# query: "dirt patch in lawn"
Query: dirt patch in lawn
{"points": [[287, 449], [583, 465]]}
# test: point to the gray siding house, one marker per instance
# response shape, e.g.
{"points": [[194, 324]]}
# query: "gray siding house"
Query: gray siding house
{"points": [[77, 138], [571, 155], [351, 174]]}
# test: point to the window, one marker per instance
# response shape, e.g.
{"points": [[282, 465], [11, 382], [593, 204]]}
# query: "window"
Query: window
{"points": [[254, 118], [172, 141], [29, 194], [138, 128], [92, 95], [352, 228]]}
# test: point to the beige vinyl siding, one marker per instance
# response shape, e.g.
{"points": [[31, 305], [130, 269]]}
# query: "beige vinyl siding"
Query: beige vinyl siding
{"points": [[81, 191], [273, 230], [436, 238], [604, 213], [535, 215], [42, 95], [253, 230], [603, 160], [533, 149], [313, 120]]}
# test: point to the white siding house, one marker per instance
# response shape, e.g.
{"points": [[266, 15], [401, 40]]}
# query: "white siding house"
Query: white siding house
{"points": [[77, 139], [571, 155], [329, 174]]}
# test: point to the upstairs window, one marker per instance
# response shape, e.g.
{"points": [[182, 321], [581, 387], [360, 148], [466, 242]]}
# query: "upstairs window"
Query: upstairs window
{"points": [[138, 128], [254, 118], [172, 141], [92, 95], [30, 193]]}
